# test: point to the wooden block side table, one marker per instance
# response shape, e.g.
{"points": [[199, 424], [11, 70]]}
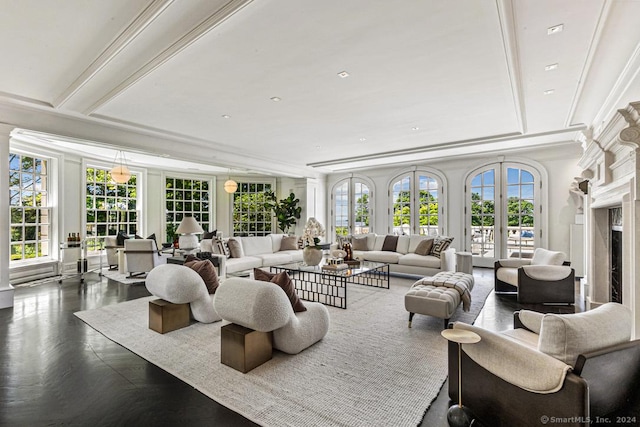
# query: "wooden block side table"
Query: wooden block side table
{"points": [[166, 317], [244, 349]]}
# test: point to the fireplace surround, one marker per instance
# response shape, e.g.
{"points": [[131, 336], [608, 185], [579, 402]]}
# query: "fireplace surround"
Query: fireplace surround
{"points": [[612, 211]]}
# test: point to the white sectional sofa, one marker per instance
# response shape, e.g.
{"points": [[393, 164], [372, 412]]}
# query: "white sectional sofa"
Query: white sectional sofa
{"points": [[404, 259], [256, 251]]}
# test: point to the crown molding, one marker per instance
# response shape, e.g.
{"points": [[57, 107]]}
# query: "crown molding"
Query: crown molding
{"points": [[178, 46]]}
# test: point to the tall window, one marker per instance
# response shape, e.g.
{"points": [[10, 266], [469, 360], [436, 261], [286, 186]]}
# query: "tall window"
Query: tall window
{"points": [[110, 207], [30, 207], [352, 201], [187, 197], [250, 216], [504, 204], [416, 200]]}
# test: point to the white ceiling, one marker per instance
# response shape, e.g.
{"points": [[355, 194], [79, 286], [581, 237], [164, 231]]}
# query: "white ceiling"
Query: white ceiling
{"points": [[427, 79]]}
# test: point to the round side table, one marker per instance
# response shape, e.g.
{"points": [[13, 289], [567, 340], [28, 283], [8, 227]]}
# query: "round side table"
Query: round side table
{"points": [[457, 415]]}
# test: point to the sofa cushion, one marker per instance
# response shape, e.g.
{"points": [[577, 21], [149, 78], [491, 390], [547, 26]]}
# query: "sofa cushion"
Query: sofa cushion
{"points": [[424, 247], [382, 256], [420, 260], [390, 243], [206, 245], [235, 248], [275, 259], [360, 243], [206, 270], [440, 244], [276, 241], [256, 245], [289, 243], [221, 247], [234, 265], [545, 257], [283, 280], [296, 255], [566, 336], [403, 244], [508, 275], [378, 243]]}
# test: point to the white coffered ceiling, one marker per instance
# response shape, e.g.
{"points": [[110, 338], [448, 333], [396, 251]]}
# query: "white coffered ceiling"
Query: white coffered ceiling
{"points": [[426, 79]]}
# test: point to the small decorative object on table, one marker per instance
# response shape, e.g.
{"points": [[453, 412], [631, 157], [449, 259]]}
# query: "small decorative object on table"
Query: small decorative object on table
{"points": [[348, 249], [312, 252]]}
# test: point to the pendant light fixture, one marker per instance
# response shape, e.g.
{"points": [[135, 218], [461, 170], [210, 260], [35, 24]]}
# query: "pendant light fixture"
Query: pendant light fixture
{"points": [[230, 186], [120, 173]]}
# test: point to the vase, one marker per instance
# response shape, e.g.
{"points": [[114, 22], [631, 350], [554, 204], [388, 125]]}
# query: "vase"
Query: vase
{"points": [[312, 255]]}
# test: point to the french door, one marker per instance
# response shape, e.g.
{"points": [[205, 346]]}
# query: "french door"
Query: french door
{"points": [[502, 212], [417, 204], [352, 202]]}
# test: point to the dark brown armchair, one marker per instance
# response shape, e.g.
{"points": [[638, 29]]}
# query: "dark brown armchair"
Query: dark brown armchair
{"points": [[545, 278], [523, 378]]}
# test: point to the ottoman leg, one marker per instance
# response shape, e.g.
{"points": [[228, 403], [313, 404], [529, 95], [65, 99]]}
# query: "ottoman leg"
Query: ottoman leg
{"points": [[410, 318]]}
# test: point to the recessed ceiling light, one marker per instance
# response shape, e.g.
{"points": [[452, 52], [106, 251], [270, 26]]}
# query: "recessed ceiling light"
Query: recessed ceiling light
{"points": [[555, 29], [276, 99], [551, 67], [363, 139], [415, 128], [549, 91], [343, 74], [317, 147], [226, 116]]}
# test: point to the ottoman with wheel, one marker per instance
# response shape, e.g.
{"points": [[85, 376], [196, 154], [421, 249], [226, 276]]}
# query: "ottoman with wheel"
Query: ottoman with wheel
{"points": [[439, 295]]}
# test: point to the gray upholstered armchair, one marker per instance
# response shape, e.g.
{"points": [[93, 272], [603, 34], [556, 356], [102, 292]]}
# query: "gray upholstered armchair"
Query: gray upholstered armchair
{"points": [[559, 366], [142, 256], [545, 278]]}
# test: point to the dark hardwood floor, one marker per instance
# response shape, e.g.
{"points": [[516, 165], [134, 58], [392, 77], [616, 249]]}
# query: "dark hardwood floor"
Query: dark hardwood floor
{"points": [[56, 370]]}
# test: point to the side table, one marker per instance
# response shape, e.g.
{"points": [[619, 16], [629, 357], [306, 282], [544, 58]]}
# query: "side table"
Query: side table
{"points": [[180, 259], [457, 415], [464, 262]]}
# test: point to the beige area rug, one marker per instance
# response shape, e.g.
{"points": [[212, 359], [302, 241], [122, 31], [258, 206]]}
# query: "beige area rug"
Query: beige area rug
{"points": [[370, 369]]}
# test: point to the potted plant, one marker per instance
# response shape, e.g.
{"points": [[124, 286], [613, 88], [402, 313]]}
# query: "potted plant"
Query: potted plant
{"points": [[286, 210], [171, 233]]}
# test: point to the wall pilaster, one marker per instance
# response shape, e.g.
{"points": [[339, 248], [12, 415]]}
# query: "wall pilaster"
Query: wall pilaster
{"points": [[6, 290]]}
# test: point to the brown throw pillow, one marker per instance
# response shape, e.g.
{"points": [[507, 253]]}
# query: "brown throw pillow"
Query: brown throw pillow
{"points": [[283, 280], [359, 243], [235, 248], [440, 244], [289, 243], [424, 247], [390, 243], [206, 270]]}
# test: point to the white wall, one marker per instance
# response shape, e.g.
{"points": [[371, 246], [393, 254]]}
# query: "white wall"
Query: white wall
{"points": [[560, 164]]}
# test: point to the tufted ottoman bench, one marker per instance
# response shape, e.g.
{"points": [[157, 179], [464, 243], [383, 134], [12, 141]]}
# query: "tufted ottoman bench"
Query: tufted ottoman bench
{"points": [[439, 295]]}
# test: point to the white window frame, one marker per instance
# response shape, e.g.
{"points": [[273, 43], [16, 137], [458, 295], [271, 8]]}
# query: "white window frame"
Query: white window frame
{"points": [[271, 182], [414, 191], [211, 180], [352, 180]]}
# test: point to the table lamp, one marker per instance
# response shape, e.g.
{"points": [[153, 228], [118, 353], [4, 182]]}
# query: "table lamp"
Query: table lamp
{"points": [[188, 229]]}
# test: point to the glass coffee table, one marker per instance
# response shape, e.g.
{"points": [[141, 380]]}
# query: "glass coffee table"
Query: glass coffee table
{"points": [[329, 287]]}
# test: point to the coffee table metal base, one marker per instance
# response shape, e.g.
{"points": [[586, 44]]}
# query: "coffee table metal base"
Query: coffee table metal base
{"points": [[328, 288]]}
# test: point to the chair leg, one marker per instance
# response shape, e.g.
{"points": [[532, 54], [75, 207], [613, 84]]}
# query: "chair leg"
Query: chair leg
{"points": [[410, 318]]}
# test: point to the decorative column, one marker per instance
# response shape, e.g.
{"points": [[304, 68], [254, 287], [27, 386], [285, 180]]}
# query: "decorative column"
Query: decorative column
{"points": [[6, 290]]}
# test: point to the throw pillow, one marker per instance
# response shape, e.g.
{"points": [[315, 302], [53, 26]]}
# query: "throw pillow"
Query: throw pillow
{"points": [[209, 234], [153, 237], [424, 247], [221, 247], [440, 244], [235, 248], [283, 280], [289, 243], [359, 243], [206, 270], [390, 243]]}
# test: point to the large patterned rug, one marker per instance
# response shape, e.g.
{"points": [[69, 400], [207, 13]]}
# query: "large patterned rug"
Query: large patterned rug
{"points": [[370, 369]]}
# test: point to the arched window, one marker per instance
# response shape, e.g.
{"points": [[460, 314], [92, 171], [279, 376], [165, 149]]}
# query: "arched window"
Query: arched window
{"points": [[352, 200], [503, 212], [417, 203]]}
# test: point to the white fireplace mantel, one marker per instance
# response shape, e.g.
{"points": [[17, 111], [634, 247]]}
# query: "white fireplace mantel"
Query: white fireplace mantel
{"points": [[611, 163]]}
